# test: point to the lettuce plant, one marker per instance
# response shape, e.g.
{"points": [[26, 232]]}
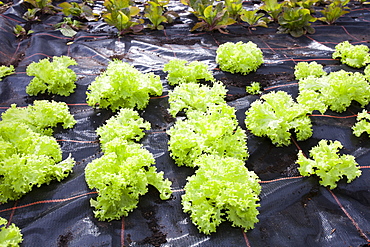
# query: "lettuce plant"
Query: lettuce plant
{"points": [[239, 57], [336, 90], [28, 159], [182, 71], [6, 70], [125, 170], [254, 88], [198, 6], [221, 189], [213, 132], [275, 115], [367, 73], [123, 86], [121, 176], [41, 117], [306, 4], [52, 76], [328, 165], [9, 235], [193, 96], [28, 156], [304, 69], [31, 15], [356, 56], [127, 125], [363, 124]]}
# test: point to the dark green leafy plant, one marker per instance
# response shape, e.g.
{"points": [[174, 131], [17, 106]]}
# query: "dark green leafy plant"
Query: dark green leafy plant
{"points": [[21, 32], [253, 18], [273, 8], [214, 18], [79, 10], [306, 4], [154, 12], [296, 21], [234, 8], [198, 6], [333, 11], [69, 27], [121, 14], [44, 6], [162, 3], [31, 15]]}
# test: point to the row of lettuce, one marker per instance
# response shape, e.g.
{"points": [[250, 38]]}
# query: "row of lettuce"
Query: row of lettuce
{"points": [[208, 139], [293, 17]]}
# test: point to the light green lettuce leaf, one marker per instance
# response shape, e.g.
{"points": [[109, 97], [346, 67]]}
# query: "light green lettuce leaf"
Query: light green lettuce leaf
{"points": [[327, 164], [127, 125], [363, 124], [338, 89], [193, 96], [120, 177], [10, 236], [213, 132], [123, 86], [52, 77], [275, 115], [42, 116], [181, 71], [239, 57], [221, 189], [356, 56]]}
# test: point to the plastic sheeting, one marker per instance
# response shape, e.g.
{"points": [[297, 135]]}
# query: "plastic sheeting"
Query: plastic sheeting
{"points": [[295, 211]]}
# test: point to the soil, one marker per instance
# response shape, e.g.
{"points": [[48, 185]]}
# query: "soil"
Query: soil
{"points": [[158, 237], [63, 240]]}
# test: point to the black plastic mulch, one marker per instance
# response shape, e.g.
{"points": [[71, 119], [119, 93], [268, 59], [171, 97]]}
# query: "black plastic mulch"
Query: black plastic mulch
{"points": [[294, 211]]}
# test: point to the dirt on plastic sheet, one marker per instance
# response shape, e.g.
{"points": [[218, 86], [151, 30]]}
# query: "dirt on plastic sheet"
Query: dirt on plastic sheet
{"points": [[294, 211]]}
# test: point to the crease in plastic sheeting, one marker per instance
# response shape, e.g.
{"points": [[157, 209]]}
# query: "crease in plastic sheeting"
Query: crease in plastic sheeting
{"points": [[89, 228], [360, 151], [89, 54], [319, 47], [270, 188], [242, 103], [205, 239], [328, 233], [171, 240]]}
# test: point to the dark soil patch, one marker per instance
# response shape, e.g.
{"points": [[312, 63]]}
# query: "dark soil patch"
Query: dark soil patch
{"points": [[158, 237], [63, 240]]}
